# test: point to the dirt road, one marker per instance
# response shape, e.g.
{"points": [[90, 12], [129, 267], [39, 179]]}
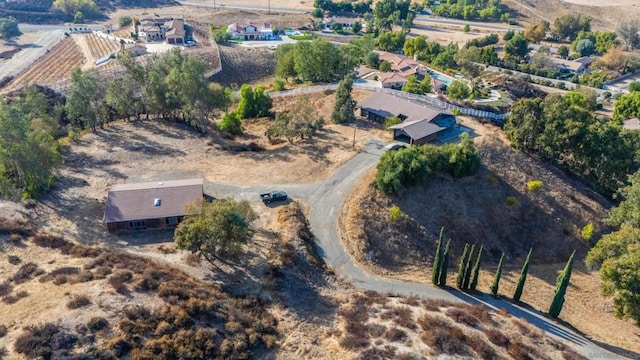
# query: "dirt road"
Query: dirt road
{"points": [[30, 52], [325, 200]]}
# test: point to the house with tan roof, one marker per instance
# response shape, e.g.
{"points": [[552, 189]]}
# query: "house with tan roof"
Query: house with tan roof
{"points": [[402, 67], [150, 205], [420, 124], [169, 29], [577, 66]]}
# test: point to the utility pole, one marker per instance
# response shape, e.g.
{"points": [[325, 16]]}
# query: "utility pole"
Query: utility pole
{"points": [[355, 127]]}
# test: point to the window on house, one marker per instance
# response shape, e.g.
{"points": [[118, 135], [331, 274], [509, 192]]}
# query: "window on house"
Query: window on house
{"points": [[172, 221], [138, 224]]}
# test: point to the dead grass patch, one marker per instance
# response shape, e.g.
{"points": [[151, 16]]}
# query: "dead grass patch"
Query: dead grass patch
{"points": [[78, 301]]}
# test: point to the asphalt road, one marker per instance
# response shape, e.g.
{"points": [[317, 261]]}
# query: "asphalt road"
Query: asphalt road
{"points": [[223, 5], [326, 199]]}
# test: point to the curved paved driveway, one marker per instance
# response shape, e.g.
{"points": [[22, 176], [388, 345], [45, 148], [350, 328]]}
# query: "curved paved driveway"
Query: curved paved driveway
{"points": [[326, 199]]}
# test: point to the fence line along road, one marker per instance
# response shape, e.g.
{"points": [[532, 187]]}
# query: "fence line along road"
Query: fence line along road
{"points": [[425, 100]]}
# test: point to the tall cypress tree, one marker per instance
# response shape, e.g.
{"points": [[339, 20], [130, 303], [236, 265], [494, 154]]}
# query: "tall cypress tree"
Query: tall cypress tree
{"points": [[444, 268], [476, 270], [561, 288], [468, 268], [496, 279], [462, 266], [523, 278], [437, 261]]}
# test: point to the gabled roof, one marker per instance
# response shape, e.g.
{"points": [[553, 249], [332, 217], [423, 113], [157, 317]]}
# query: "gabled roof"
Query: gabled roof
{"points": [[418, 129], [237, 27], [388, 106], [176, 27], [392, 78], [151, 200], [417, 118], [566, 64]]}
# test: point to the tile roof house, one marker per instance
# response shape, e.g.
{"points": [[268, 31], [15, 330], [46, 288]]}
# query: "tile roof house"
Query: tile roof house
{"points": [[420, 123], [402, 67], [150, 205], [171, 29], [250, 31]]}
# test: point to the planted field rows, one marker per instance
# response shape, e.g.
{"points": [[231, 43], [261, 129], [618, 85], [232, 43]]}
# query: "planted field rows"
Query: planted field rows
{"points": [[55, 65], [101, 47]]}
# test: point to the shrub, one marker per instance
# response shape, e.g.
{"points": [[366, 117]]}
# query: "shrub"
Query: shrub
{"points": [[40, 341], [125, 21], [5, 288], [395, 213], [13, 259], [395, 334], [231, 123], [352, 342], [512, 201], [484, 350], [3, 330], [587, 232], [78, 301], [448, 340], [96, 324], [462, 316], [497, 337], [26, 273], [534, 185], [518, 352], [119, 346]]}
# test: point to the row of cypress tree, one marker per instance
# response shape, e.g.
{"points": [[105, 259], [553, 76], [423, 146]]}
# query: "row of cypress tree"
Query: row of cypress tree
{"points": [[467, 277]]}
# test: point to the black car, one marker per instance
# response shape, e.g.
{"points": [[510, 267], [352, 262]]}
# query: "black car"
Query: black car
{"points": [[273, 196]]}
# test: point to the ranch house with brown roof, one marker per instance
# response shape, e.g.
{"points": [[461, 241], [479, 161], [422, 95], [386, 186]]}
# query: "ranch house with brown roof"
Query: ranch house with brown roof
{"points": [[420, 124], [150, 205]]}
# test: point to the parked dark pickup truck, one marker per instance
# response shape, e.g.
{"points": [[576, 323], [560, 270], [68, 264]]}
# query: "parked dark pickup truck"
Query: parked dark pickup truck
{"points": [[273, 196]]}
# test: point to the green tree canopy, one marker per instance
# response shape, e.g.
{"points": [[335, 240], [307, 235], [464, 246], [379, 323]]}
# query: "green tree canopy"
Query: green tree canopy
{"points": [[517, 47], [345, 106], [29, 153], [9, 28], [619, 255], [458, 90], [564, 131], [627, 106], [391, 41], [568, 26], [71, 7], [253, 103], [215, 230]]}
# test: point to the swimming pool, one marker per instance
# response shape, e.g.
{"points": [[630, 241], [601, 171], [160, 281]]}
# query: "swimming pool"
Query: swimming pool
{"points": [[434, 75]]}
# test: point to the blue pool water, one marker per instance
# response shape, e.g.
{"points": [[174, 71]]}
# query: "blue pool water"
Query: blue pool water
{"points": [[446, 80]]}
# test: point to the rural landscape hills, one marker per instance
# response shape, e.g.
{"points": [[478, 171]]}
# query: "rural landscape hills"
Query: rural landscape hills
{"points": [[319, 180]]}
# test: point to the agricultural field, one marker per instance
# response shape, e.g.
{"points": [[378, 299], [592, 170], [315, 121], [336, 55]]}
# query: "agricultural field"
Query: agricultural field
{"points": [[95, 47], [55, 65]]}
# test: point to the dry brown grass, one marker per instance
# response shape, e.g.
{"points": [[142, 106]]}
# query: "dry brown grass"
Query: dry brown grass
{"points": [[460, 330]]}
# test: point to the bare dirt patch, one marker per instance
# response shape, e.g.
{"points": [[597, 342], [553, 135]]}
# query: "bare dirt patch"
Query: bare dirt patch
{"points": [[605, 15], [476, 210]]}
